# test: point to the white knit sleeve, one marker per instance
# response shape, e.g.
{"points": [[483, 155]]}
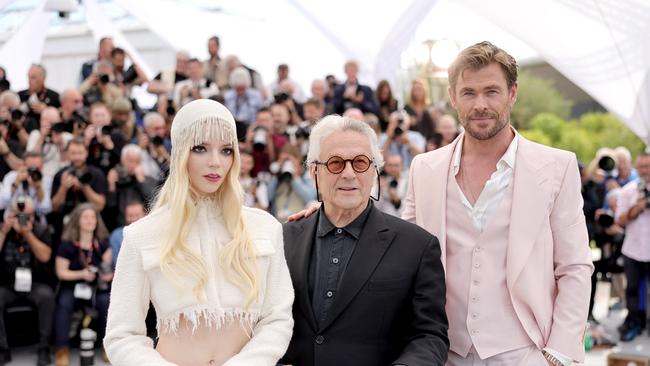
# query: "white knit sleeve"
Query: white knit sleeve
{"points": [[126, 342], [271, 335]]}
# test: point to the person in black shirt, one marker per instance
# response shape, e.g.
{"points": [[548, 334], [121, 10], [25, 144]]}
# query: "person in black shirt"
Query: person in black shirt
{"points": [[84, 267], [24, 251], [36, 97]]}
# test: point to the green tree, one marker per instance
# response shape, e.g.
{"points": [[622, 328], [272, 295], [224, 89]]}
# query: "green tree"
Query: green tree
{"points": [[583, 136], [535, 96]]}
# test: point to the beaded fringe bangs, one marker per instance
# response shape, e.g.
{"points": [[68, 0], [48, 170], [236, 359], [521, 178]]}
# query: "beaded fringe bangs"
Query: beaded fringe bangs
{"points": [[204, 130]]}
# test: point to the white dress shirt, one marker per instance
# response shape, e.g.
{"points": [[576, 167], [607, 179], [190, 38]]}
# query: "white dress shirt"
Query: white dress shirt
{"points": [[491, 195]]}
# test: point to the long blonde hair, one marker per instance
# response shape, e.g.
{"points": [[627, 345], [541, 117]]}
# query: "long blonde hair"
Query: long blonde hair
{"points": [[236, 258]]}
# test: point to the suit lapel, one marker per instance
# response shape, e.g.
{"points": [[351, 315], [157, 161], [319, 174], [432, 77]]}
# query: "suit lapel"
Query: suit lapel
{"points": [[300, 260], [374, 240], [434, 195], [530, 199]]}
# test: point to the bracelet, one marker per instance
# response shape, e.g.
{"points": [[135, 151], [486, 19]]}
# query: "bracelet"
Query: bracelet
{"points": [[552, 359]]}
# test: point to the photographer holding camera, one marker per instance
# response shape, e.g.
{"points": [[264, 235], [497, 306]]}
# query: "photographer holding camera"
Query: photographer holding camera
{"points": [[634, 214], [195, 87], [24, 253], [154, 141], [79, 182], [399, 139], [28, 180], [10, 148], [84, 268], [99, 86], [36, 97], [290, 188], [127, 183], [13, 120], [393, 182]]}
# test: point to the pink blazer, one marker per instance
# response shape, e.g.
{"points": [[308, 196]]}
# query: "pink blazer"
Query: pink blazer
{"points": [[548, 272]]}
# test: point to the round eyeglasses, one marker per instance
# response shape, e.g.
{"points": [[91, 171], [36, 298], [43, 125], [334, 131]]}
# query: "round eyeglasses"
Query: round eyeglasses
{"points": [[336, 164]]}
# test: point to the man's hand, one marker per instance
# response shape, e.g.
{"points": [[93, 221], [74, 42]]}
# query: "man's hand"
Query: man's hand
{"points": [[111, 179], [88, 275], [8, 224], [304, 213], [69, 181], [138, 173], [23, 230]]}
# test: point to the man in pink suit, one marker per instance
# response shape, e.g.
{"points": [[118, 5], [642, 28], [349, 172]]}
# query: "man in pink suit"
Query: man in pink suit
{"points": [[508, 213]]}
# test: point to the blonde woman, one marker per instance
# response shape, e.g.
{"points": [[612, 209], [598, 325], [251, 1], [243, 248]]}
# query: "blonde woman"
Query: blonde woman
{"points": [[214, 270]]}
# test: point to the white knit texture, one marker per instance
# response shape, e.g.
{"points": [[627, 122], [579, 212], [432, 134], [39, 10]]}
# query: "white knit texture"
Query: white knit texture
{"points": [[138, 280]]}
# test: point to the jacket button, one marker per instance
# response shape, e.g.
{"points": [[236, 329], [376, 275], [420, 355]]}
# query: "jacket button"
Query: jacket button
{"points": [[320, 339]]}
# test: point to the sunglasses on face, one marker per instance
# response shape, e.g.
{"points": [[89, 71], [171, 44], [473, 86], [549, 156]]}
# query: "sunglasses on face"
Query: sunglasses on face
{"points": [[336, 164]]}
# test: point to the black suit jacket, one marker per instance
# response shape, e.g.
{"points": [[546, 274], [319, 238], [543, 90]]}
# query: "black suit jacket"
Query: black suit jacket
{"points": [[390, 307], [368, 104]]}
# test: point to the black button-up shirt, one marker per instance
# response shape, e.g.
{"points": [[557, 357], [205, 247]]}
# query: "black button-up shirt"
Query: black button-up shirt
{"points": [[331, 254]]}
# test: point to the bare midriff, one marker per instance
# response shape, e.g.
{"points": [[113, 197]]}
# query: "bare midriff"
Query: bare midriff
{"points": [[207, 345]]}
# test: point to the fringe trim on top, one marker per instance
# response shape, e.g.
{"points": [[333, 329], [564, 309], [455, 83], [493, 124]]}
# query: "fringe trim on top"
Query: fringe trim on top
{"points": [[213, 317], [207, 129]]}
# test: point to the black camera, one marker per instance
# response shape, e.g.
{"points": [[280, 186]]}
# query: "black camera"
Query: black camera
{"points": [[104, 79], [77, 120], [393, 183], [399, 130], [59, 127], [157, 141], [35, 174], [22, 217], [607, 163], [84, 177], [260, 136], [123, 176], [281, 97], [170, 108], [17, 114], [606, 219], [107, 130], [302, 132]]}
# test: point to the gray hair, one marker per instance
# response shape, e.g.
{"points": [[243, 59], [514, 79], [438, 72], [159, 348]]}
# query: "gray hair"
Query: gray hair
{"points": [[131, 149], [240, 77], [333, 123], [623, 152], [40, 67], [9, 97], [151, 117]]}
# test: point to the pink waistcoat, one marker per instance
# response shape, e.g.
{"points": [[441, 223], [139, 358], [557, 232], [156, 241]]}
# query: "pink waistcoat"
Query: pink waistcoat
{"points": [[478, 305]]}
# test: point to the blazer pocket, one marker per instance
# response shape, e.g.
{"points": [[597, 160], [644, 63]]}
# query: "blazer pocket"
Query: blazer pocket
{"points": [[388, 285]]}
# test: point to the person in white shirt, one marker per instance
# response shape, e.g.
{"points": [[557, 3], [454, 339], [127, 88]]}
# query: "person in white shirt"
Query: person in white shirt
{"points": [[214, 270], [195, 87]]}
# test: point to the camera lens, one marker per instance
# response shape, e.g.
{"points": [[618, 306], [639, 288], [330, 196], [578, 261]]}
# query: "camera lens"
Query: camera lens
{"points": [[17, 114], [607, 163], [104, 79], [35, 174]]}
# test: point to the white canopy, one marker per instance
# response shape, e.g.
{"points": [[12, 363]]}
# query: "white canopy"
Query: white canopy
{"points": [[600, 45]]}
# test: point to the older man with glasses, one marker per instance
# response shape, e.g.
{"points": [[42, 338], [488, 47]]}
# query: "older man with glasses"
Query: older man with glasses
{"points": [[370, 287]]}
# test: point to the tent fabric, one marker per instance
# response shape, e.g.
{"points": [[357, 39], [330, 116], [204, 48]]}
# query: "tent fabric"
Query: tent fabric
{"points": [[600, 45], [101, 27], [16, 56]]}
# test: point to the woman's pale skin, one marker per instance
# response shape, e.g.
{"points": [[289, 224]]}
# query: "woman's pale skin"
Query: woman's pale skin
{"points": [[207, 167]]}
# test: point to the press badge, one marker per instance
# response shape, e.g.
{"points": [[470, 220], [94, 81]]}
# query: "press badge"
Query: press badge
{"points": [[23, 280], [83, 291]]}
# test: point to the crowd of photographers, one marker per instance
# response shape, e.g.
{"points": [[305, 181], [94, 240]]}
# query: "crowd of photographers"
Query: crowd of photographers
{"points": [[77, 167], [617, 195]]}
